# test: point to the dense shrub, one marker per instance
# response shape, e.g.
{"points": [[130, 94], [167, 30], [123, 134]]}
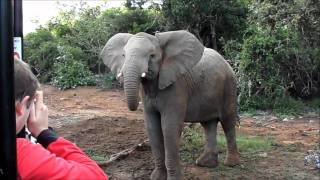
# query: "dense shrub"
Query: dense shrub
{"points": [[108, 81], [273, 62], [75, 37], [71, 74], [209, 20], [41, 51], [273, 46], [69, 70]]}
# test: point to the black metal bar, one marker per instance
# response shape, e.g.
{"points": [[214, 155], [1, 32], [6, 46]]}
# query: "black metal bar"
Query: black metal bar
{"points": [[18, 22], [18, 19], [18, 33], [8, 169]]}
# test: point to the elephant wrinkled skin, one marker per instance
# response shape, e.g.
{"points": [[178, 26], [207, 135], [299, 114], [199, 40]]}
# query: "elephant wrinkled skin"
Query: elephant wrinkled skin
{"points": [[180, 81]]}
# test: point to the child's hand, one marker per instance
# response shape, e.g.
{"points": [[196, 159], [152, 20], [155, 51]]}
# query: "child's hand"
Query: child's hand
{"points": [[38, 119]]}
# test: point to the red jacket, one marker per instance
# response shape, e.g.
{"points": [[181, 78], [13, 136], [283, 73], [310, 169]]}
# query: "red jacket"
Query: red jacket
{"points": [[61, 160]]}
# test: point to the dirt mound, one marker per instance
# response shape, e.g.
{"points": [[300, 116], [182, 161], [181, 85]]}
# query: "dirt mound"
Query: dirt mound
{"points": [[104, 136]]}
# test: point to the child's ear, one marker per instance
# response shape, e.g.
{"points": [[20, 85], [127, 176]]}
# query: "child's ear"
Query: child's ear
{"points": [[22, 105]]}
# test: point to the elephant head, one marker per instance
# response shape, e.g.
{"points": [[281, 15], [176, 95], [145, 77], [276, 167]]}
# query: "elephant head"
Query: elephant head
{"points": [[165, 56]]}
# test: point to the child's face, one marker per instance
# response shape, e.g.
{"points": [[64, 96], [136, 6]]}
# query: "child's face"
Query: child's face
{"points": [[22, 113]]}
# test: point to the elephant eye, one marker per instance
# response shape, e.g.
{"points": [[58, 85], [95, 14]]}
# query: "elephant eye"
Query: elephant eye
{"points": [[123, 55], [152, 56]]}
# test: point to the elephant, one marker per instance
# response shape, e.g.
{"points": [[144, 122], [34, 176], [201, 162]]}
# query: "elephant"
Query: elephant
{"points": [[179, 81]]}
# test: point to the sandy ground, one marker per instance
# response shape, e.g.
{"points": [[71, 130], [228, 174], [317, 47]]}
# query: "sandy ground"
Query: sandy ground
{"points": [[99, 122]]}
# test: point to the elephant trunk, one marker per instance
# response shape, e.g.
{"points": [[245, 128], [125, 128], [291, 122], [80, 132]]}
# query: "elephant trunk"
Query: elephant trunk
{"points": [[131, 86]]}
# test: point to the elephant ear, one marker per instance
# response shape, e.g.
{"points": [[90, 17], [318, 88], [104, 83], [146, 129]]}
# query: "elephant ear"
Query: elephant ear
{"points": [[112, 53], [181, 51]]}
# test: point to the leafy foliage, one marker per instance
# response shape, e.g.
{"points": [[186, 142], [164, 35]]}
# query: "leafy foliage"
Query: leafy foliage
{"points": [[274, 61], [273, 46], [41, 52], [71, 74], [208, 20], [108, 81], [75, 38]]}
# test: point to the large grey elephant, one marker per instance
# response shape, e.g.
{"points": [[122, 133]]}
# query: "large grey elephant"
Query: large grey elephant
{"points": [[181, 81]]}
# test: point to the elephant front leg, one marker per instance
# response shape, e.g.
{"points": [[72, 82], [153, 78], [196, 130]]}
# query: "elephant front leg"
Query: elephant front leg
{"points": [[153, 126], [172, 127]]}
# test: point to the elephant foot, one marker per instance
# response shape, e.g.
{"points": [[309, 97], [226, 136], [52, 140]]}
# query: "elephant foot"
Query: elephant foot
{"points": [[232, 159], [174, 174], [208, 159], [159, 174], [175, 178]]}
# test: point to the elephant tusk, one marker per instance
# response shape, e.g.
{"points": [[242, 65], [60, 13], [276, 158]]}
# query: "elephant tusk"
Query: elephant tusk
{"points": [[143, 75], [119, 75]]}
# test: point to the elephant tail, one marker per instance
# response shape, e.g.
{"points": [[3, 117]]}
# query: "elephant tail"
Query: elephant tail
{"points": [[230, 109], [238, 120]]}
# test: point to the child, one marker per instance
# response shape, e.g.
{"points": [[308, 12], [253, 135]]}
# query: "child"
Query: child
{"points": [[54, 157]]}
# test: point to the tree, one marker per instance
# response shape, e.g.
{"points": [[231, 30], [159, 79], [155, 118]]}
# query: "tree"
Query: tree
{"points": [[209, 20], [279, 55], [41, 51], [77, 37], [134, 4]]}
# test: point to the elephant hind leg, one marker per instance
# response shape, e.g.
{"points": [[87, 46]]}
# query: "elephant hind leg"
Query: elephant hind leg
{"points": [[209, 158], [228, 124]]}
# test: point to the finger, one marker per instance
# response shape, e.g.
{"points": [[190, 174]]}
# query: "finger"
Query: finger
{"points": [[44, 108], [32, 115], [39, 100], [39, 96], [15, 57], [25, 100]]}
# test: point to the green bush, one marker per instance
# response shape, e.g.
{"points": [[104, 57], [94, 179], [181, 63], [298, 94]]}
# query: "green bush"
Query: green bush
{"points": [[269, 69], [41, 52], [273, 46], [208, 20], [289, 106], [94, 27], [274, 63], [71, 74], [75, 37], [263, 73], [107, 80], [69, 70]]}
